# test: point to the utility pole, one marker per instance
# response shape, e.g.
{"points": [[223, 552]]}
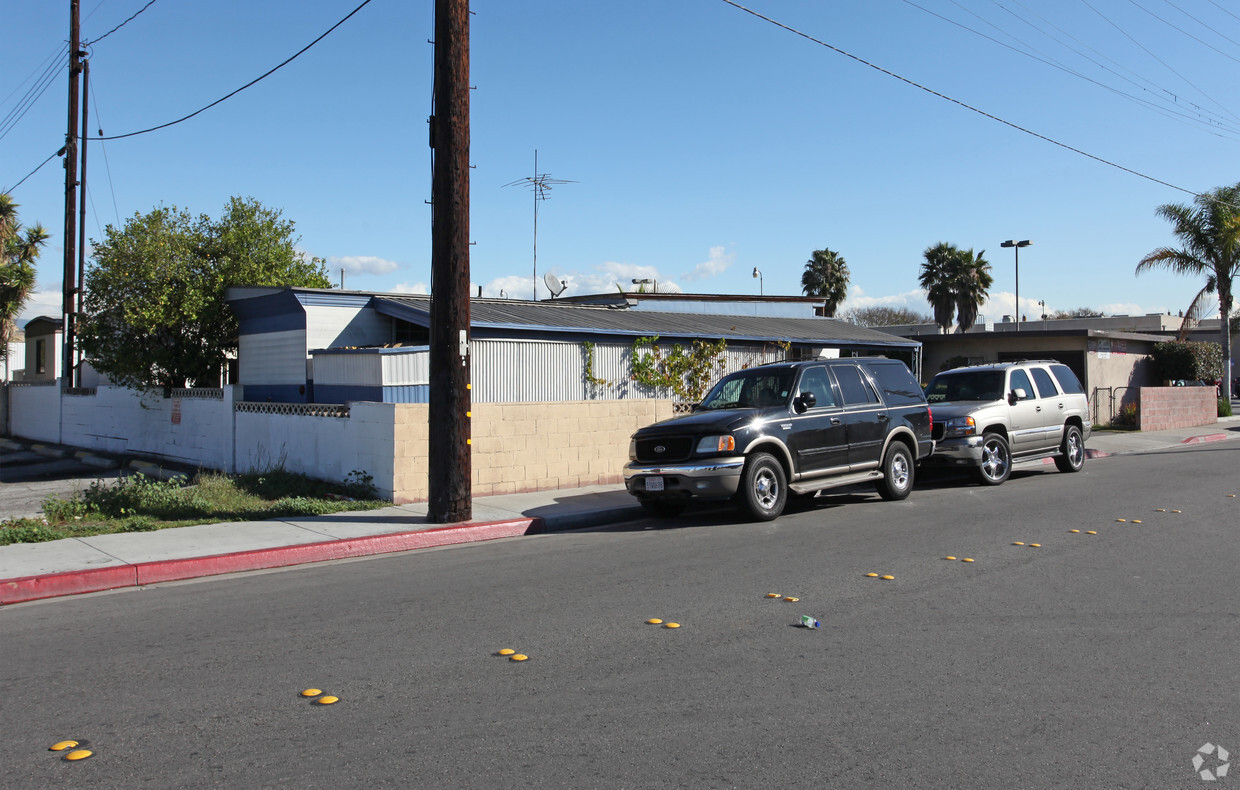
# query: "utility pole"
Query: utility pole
{"points": [[70, 237], [449, 461], [81, 252]]}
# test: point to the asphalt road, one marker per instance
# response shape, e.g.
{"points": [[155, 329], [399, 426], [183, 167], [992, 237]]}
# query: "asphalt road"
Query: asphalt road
{"points": [[1100, 660]]}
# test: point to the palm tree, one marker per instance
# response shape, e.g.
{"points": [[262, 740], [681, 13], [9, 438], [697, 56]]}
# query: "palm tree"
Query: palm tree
{"points": [[19, 249], [826, 276], [1210, 233], [937, 276], [972, 286]]}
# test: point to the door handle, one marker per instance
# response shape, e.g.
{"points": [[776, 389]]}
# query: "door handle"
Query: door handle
{"points": [[835, 420], [883, 417], [1037, 408]]}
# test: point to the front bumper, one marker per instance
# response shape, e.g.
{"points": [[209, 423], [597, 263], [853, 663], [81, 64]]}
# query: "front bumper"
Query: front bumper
{"points": [[716, 478], [961, 451]]}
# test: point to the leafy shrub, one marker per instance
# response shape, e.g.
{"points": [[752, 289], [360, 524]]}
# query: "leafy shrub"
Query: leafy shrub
{"points": [[1127, 416], [74, 509], [24, 532], [360, 484], [1188, 361], [300, 506], [1224, 407]]}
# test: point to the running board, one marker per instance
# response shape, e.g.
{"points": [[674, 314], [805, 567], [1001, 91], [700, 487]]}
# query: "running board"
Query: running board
{"points": [[807, 486]]}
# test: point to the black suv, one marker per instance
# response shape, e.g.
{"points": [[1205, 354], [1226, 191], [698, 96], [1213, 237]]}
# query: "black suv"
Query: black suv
{"points": [[789, 427]]}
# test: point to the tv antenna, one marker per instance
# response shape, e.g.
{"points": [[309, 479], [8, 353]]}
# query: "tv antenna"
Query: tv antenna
{"points": [[554, 284], [540, 184]]}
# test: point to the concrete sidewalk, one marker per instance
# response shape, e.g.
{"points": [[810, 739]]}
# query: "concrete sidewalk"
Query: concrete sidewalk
{"points": [[30, 571]]}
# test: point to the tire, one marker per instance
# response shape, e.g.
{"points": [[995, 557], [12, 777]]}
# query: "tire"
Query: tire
{"points": [[764, 489], [897, 479], [663, 507], [996, 461], [1072, 452]]}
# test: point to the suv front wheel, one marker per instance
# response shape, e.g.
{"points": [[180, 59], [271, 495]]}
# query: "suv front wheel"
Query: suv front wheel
{"points": [[1072, 453], [996, 460], [764, 489]]}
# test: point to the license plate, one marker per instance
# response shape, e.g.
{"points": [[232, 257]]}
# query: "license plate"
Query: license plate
{"points": [[654, 484]]}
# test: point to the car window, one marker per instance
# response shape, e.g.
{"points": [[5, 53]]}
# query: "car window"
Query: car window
{"points": [[855, 389], [759, 387], [898, 385], [1068, 381], [975, 385], [815, 380], [1020, 381], [1046, 386]]}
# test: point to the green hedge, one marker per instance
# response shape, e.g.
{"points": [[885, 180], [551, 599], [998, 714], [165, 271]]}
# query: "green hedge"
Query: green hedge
{"points": [[1188, 361]]}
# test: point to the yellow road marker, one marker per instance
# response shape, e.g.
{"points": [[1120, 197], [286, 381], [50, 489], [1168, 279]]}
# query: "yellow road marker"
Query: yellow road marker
{"points": [[1035, 545], [1121, 520], [654, 621], [1136, 521], [1231, 495], [1018, 543], [507, 651], [773, 595], [519, 657], [1177, 511], [311, 692], [60, 747], [875, 575], [1160, 510], [1074, 530], [790, 599], [967, 559], [888, 578], [948, 557], [328, 700], [1091, 532], [78, 754], [671, 625]]}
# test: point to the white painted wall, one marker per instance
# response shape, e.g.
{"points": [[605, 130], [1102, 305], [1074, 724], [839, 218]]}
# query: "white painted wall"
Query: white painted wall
{"points": [[34, 412]]}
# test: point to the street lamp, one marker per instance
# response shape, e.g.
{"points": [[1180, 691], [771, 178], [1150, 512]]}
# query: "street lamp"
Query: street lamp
{"points": [[758, 274], [644, 281], [1042, 304], [1017, 245]]}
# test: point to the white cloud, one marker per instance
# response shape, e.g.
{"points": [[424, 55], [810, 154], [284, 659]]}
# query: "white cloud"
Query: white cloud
{"points": [[410, 288], [857, 300], [717, 263], [45, 302], [602, 280], [361, 264]]}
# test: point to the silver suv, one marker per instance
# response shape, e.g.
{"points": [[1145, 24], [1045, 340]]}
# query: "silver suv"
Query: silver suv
{"points": [[987, 417]]}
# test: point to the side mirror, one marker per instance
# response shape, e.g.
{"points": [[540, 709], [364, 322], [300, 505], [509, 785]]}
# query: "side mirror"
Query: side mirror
{"points": [[804, 402], [1019, 394]]}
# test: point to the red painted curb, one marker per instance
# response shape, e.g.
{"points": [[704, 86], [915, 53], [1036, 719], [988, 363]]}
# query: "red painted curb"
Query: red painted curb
{"points": [[1210, 437], [31, 588]]}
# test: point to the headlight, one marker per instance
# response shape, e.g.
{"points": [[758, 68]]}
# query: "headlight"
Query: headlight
{"points": [[959, 426], [716, 444], [632, 449]]}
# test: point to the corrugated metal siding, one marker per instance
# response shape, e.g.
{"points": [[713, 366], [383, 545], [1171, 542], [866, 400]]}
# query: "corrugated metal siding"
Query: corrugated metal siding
{"points": [[272, 358], [358, 369], [406, 367], [333, 327]]}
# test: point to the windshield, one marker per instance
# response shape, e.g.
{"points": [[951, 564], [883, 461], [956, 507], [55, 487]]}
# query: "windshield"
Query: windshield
{"points": [[983, 385], [750, 389]]}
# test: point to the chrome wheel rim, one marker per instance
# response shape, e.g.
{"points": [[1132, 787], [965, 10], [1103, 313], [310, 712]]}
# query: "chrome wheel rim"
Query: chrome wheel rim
{"points": [[994, 460], [900, 471], [766, 488], [1076, 450]]}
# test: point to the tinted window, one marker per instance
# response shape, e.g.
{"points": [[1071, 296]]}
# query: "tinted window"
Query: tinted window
{"points": [[1067, 380], [815, 380], [751, 388], [980, 385], [1046, 387], [898, 385], [856, 390], [1020, 381]]}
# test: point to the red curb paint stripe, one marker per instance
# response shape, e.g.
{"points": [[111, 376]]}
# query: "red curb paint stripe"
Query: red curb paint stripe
{"points": [[53, 585], [33, 588], [1212, 437]]}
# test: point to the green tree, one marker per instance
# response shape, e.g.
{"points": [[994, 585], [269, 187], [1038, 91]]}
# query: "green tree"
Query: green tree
{"points": [[19, 249], [881, 315], [957, 282], [154, 311], [1078, 312], [1209, 231], [826, 276]]}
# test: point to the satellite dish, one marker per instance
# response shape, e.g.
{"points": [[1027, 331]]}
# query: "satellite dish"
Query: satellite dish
{"points": [[555, 285]]}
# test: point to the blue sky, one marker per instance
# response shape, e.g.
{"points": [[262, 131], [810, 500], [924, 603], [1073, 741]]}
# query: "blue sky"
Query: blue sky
{"points": [[701, 141]]}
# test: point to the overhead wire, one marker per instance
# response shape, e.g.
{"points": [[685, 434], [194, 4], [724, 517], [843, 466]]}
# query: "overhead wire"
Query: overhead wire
{"points": [[32, 95], [243, 87], [9, 190], [1207, 26], [957, 102], [122, 24], [1174, 26]]}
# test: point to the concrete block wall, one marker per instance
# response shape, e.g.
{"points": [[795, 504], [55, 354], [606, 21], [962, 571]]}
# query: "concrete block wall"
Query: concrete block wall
{"points": [[521, 447], [34, 412], [1160, 408]]}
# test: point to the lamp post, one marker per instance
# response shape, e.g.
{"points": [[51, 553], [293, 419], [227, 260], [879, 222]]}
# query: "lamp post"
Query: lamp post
{"points": [[644, 281], [1042, 304], [1016, 245], [758, 274]]}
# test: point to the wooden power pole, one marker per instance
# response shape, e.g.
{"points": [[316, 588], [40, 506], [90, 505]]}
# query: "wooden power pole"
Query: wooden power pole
{"points": [[68, 306], [448, 456]]}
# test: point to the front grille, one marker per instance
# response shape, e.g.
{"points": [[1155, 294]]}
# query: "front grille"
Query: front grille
{"points": [[936, 433], [673, 449]]}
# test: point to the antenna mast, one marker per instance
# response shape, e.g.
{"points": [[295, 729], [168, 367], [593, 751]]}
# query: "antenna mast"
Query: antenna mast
{"points": [[540, 185]]}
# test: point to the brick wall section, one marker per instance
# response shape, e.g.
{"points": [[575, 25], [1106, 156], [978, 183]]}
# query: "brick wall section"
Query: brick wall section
{"points": [[521, 447], [1160, 408]]}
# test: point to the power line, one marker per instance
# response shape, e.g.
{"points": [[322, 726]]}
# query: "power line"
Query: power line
{"points": [[945, 97], [243, 87], [32, 95], [122, 24], [9, 190]]}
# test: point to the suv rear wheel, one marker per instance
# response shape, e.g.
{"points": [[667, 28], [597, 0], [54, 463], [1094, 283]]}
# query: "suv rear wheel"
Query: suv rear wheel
{"points": [[764, 489], [897, 479], [996, 460], [1072, 452]]}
